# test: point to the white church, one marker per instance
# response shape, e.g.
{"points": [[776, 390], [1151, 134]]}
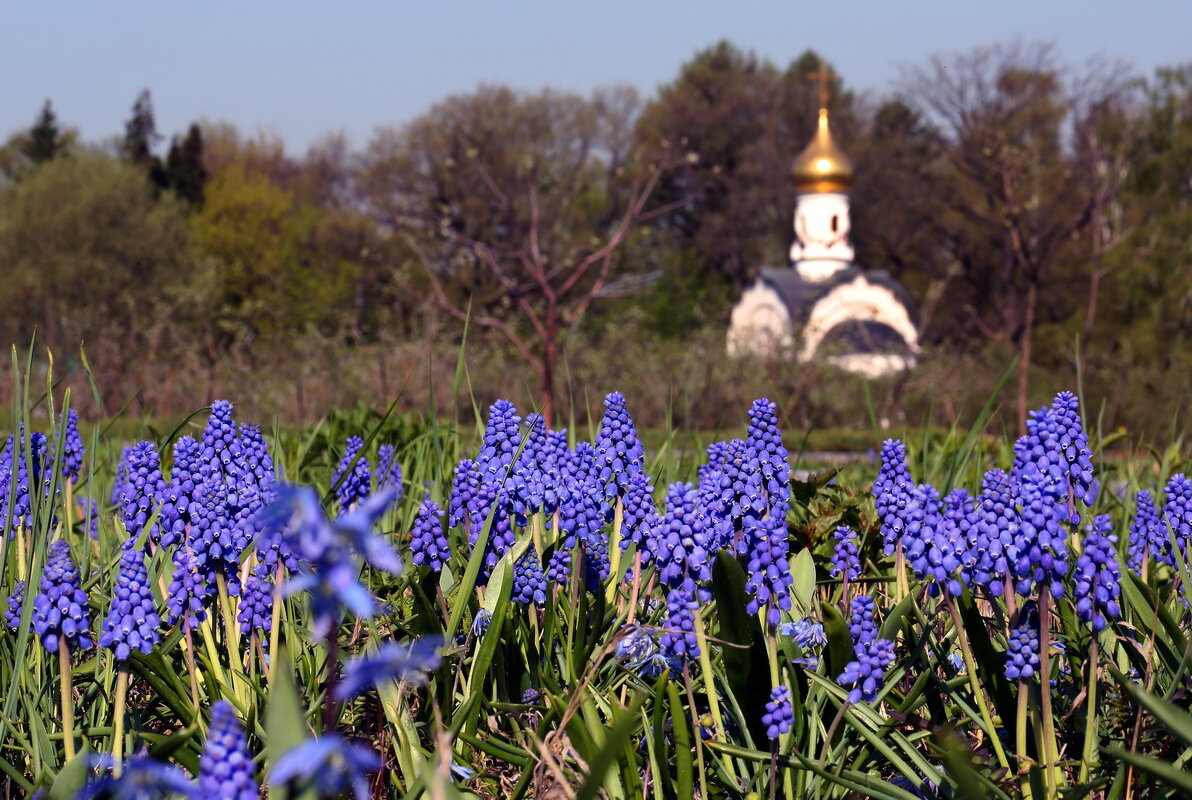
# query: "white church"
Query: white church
{"points": [[824, 306]]}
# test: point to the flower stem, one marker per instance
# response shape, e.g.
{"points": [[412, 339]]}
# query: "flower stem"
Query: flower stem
{"points": [[1024, 778], [1090, 720], [970, 667], [705, 665], [1049, 750], [614, 551], [190, 665], [275, 619], [67, 698], [118, 718]]}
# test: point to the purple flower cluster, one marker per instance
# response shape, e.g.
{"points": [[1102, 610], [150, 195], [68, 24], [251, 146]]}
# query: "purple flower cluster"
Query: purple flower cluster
{"points": [[680, 545], [679, 640], [72, 448], [1177, 512], [225, 768], [866, 673], [389, 471], [862, 622], [1148, 534], [12, 612], [428, 543], [179, 494], [132, 620], [352, 477], [188, 596], [61, 614], [890, 492], [1022, 646], [779, 716], [529, 583], [142, 491], [256, 603], [845, 559], [1095, 579], [1074, 446], [619, 453]]}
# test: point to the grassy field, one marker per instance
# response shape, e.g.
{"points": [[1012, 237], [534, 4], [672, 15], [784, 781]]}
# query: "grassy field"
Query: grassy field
{"points": [[513, 614]]}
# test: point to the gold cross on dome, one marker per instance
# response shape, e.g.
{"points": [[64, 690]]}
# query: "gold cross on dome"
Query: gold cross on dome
{"points": [[825, 78]]}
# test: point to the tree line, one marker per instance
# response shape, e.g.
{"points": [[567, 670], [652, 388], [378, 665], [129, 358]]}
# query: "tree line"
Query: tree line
{"points": [[1033, 208]]}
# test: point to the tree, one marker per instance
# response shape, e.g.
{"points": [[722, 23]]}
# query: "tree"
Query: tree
{"points": [[44, 140], [1017, 189], [90, 255], [743, 121], [140, 137], [184, 170], [517, 206]]}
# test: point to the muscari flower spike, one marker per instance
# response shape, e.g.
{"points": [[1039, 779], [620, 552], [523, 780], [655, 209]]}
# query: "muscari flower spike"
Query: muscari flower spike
{"points": [[143, 491], [61, 614], [330, 764], [845, 559], [1022, 646], [1148, 534], [180, 491], [226, 768], [428, 541], [255, 465], [132, 620], [890, 490], [680, 542], [502, 437], [779, 715], [1042, 483], [529, 582], [619, 453], [679, 639], [256, 603], [220, 446], [991, 536], [188, 596], [764, 442], [12, 613], [1074, 445], [862, 624], [410, 661], [865, 674], [1096, 577], [465, 486], [1177, 512], [72, 448], [353, 475], [389, 471]]}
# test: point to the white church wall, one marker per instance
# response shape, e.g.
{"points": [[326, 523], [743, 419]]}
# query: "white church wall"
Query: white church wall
{"points": [[857, 300], [821, 247], [760, 325]]}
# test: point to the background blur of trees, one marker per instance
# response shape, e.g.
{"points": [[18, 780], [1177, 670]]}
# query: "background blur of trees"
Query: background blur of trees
{"points": [[1037, 211]]}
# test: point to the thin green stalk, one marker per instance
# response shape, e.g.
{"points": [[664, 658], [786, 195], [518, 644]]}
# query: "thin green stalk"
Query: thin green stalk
{"points": [[705, 664], [1024, 779], [614, 551], [67, 697], [699, 739], [190, 665], [118, 717], [1090, 717], [1050, 750], [970, 667]]}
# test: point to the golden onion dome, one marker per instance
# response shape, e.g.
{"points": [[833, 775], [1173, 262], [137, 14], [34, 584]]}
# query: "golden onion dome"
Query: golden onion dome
{"points": [[822, 166]]}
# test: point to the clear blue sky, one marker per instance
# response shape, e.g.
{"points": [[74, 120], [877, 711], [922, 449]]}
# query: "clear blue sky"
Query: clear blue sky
{"points": [[301, 69]]}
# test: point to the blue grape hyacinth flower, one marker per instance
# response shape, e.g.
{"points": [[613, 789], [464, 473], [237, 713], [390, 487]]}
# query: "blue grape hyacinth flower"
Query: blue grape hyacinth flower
{"points": [[845, 559], [226, 768], [61, 614], [779, 715], [331, 765], [428, 541], [1148, 535], [73, 450], [132, 620], [619, 452], [866, 673], [390, 662], [1096, 578], [188, 596], [679, 639], [143, 491], [12, 612], [353, 475], [141, 778], [1022, 646]]}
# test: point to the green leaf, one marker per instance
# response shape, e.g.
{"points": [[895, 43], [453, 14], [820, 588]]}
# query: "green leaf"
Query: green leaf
{"points": [[840, 640], [682, 732], [803, 573], [1172, 776], [622, 729], [285, 722], [72, 777]]}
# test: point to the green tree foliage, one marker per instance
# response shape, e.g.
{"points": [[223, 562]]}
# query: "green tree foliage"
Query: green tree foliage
{"points": [[184, 170], [270, 274], [45, 138], [742, 121], [141, 136], [91, 255]]}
